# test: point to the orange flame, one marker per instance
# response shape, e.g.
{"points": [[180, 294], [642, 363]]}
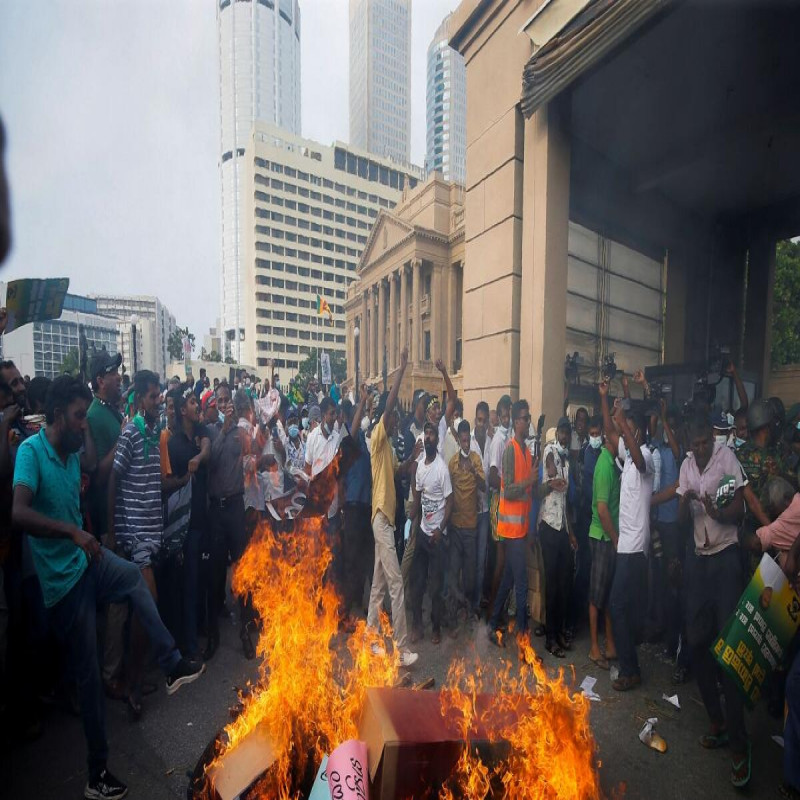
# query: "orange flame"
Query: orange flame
{"points": [[552, 755]]}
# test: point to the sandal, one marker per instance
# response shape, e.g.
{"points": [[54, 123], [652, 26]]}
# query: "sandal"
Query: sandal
{"points": [[713, 741], [134, 708], [539, 631], [554, 649], [626, 682], [436, 637], [741, 769], [600, 661], [564, 642]]}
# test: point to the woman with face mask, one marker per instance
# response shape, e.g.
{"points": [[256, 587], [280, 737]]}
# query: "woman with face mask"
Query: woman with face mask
{"points": [[296, 448]]}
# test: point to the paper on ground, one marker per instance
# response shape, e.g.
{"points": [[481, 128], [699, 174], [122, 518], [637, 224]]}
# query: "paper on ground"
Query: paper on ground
{"points": [[587, 688], [674, 700], [647, 729]]}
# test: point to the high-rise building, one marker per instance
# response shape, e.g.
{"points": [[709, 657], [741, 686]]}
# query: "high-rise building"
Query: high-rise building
{"points": [[153, 324], [259, 79], [41, 348], [446, 108], [309, 211], [380, 77]]}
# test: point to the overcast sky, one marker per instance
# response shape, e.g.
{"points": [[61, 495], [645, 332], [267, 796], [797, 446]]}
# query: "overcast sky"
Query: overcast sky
{"points": [[111, 110]]}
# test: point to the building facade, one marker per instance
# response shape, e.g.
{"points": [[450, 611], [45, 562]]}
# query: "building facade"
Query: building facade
{"points": [[309, 210], [41, 348], [409, 292], [154, 325], [446, 108], [259, 79], [648, 235], [380, 77]]}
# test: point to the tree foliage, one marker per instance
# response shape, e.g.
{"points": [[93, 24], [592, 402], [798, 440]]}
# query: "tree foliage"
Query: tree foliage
{"points": [[175, 343], [786, 305], [71, 363]]}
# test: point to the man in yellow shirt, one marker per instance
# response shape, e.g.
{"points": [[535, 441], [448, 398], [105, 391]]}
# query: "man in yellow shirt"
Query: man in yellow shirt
{"points": [[386, 574]]}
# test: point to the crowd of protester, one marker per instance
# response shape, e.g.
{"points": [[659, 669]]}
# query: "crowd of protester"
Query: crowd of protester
{"points": [[125, 505]]}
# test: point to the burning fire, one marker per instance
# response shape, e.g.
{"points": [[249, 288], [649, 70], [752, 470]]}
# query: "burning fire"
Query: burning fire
{"points": [[552, 750], [310, 695]]}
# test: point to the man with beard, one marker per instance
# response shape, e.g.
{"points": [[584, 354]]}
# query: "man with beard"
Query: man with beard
{"points": [[10, 375], [105, 423], [77, 574]]}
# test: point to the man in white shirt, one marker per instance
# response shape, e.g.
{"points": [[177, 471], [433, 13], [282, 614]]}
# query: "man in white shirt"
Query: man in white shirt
{"points": [[558, 540], [481, 444], [433, 502], [628, 597]]}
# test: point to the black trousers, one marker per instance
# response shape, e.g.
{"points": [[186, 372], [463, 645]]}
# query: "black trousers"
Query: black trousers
{"points": [[715, 584], [358, 546], [430, 562], [226, 536], [557, 555]]}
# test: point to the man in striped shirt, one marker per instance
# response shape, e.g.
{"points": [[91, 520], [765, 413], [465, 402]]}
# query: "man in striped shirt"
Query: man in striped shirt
{"points": [[135, 516]]}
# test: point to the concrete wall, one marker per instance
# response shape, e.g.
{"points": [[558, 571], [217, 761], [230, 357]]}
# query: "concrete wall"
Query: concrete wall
{"points": [[784, 382]]}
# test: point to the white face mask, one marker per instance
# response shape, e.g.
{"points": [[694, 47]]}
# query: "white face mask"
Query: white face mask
{"points": [[562, 451], [502, 429], [721, 439], [464, 452], [595, 442]]}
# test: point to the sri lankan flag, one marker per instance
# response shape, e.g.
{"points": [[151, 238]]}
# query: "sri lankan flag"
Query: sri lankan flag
{"points": [[323, 307]]}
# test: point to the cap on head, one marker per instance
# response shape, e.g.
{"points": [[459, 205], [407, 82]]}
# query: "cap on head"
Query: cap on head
{"points": [[720, 422], [104, 362]]}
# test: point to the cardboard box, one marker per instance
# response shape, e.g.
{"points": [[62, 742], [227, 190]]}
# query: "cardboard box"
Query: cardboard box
{"points": [[412, 748], [241, 767]]}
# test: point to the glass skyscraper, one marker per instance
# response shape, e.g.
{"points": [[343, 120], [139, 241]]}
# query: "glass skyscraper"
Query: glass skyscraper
{"points": [[259, 79], [380, 77], [446, 108]]}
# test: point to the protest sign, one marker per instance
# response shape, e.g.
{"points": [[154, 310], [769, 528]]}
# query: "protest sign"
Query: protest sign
{"points": [[325, 368], [347, 771], [34, 300], [754, 640]]}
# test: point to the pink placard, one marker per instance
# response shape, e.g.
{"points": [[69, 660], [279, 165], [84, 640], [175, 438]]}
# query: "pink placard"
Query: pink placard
{"points": [[347, 771]]}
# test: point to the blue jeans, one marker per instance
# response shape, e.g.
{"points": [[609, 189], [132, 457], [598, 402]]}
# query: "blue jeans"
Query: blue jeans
{"points": [[109, 579], [791, 733], [516, 573], [628, 598], [481, 555]]}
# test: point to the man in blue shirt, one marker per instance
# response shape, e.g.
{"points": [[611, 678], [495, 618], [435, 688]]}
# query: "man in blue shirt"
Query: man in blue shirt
{"points": [[77, 574]]}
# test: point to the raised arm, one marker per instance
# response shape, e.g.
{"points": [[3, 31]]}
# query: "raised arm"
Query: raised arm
{"points": [[630, 441], [626, 387], [450, 408], [391, 400], [358, 414], [744, 400], [612, 437], [673, 442]]}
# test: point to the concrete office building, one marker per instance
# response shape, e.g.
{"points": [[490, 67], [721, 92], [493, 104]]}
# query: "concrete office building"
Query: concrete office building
{"points": [[446, 108], [409, 292], [620, 196], [380, 77], [309, 210], [40, 348], [259, 79], [154, 324]]}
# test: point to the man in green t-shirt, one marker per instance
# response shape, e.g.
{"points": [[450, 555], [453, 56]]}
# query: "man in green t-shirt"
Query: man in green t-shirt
{"points": [[105, 423], [603, 542]]}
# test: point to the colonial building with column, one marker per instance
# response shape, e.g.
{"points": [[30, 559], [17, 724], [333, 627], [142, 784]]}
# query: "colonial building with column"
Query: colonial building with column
{"points": [[408, 292]]}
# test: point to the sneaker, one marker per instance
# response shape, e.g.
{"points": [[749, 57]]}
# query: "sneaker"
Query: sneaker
{"points": [[184, 672], [105, 787], [407, 658]]}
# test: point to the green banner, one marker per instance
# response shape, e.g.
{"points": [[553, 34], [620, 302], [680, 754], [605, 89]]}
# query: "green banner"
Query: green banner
{"points": [[34, 300], [754, 640]]}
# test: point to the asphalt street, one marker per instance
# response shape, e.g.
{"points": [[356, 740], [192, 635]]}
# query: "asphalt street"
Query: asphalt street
{"points": [[154, 755]]}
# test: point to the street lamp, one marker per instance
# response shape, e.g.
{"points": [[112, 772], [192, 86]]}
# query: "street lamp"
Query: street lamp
{"points": [[134, 323], [356, 334]]}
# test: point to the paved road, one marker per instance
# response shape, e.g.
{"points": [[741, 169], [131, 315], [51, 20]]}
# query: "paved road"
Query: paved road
{"points": [[154, 755]]}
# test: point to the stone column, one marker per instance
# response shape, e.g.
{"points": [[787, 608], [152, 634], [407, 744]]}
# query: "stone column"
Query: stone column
{"points": [[363, 366], [438, 315], [545, 228], [375, 369], [416, 316], [452, 307], [403, 310], [392, 360], [381, 324]]}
